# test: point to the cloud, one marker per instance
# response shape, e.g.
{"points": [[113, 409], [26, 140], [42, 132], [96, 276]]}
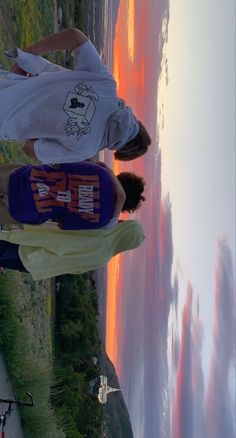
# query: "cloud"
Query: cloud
{"points": [[175, 351], [194, 413], [219, 419], [197, 380], [188, 413], [176, 294], [182, 421], [166, 259], [145, 297], [157, 303]]}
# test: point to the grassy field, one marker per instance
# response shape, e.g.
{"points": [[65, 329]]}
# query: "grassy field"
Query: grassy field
{"points": [[24, 21], [25, 331], [27, 307], [77, 341], [25, 341]]}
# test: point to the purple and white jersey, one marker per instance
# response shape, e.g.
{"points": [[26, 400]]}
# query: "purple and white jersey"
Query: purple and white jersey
{"points": [[76, 195]]}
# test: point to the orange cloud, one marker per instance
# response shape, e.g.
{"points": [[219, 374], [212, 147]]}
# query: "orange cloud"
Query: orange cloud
{"points": [[111, 319], [132, 68], [123, 54], [131, 37]]}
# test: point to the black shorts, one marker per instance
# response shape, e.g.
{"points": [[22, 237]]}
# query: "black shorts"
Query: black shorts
{"points": [[9, 256]]}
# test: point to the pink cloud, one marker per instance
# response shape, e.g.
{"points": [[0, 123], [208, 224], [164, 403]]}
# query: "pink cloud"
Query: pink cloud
{"points": [[197, 380], [182, 421], [219, 419], [192, 415]]}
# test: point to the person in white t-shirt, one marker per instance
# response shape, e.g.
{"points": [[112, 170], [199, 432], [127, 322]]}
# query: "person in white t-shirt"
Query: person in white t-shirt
{"points": [[62, 115]]}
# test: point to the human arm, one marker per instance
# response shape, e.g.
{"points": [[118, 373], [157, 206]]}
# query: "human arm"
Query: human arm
{"points": [[67, 39], [29, 60], [86, 57], [120, 195], [27, 64], [28, 148], [19, 71]]}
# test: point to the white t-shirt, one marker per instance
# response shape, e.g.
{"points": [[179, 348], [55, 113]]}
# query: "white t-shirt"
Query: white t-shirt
{"points": [[67, 111]]}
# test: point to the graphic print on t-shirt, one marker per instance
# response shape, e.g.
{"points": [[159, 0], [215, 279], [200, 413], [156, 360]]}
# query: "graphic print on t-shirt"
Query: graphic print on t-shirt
{"points": [[79, 194], [80, 107]]}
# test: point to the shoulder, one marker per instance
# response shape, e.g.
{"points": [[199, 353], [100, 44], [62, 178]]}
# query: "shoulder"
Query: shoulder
{"points": [[87, 58]]}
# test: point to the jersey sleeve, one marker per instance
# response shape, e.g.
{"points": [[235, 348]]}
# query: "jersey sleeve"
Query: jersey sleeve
{"points": [[86, 58]]}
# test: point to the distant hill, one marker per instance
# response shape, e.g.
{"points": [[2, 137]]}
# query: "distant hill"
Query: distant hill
{"points": [[94, 16], [115, 7], [115, 411]]}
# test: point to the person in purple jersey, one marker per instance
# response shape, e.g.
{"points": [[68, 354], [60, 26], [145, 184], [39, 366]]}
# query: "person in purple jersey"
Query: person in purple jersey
{"points": [[67, 115], [77, 196]]}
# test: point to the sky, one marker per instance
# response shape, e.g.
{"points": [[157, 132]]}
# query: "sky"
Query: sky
{"points": [[171, 303]]}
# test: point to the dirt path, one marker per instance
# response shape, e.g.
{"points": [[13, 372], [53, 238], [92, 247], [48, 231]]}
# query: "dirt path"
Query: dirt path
{"points": [[13, 426], [57, 17]]}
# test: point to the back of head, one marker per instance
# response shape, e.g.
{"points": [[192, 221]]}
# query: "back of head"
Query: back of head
{"points": [[136, 147], [126, 235], [133, 186]]}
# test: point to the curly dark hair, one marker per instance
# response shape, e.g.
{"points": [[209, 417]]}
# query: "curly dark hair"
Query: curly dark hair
{"points": [[136, 147], [133, 186]]}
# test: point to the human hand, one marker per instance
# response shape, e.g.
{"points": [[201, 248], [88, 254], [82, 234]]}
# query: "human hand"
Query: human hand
{"points": [[18, 71], [28, 148]]}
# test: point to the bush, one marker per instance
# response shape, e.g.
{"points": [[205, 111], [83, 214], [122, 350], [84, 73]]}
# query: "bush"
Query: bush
{"points": [[76, 342]]}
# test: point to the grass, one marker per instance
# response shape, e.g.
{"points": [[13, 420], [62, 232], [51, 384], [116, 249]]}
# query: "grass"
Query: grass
{"points": [[76, 342], [27, 355], [28, 19], [27, 308]]}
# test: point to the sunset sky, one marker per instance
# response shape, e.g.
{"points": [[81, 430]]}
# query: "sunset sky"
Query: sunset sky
{"points": [[171, 303]]}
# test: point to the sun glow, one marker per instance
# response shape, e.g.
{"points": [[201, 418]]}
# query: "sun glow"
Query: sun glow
{"points": [[131, 12], [112, 292], [127, 78], [120, 58]]}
